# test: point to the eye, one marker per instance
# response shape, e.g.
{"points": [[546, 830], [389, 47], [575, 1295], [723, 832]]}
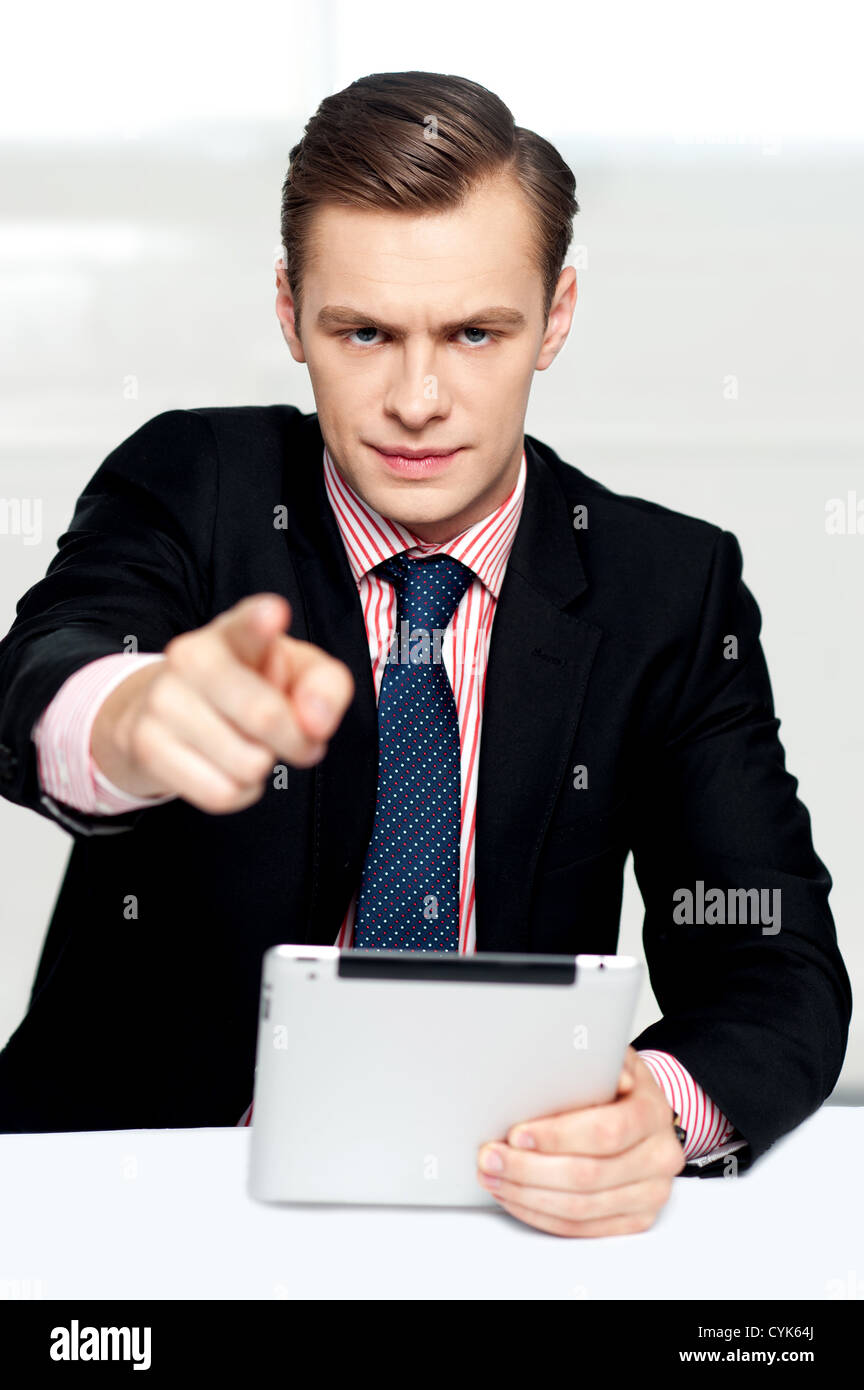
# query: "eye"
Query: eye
{"points": [[367, 328], [471, 329]]}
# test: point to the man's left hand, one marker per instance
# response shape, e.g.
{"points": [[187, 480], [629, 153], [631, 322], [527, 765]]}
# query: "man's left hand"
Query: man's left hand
{"points": [[603, 1170]]}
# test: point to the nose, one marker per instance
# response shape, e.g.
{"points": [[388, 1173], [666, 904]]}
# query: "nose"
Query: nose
{"points": [[417, 390]]}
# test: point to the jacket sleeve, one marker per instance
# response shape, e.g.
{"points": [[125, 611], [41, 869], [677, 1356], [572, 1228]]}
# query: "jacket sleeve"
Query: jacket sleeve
{"points": [[755, 996], [132, 571]]}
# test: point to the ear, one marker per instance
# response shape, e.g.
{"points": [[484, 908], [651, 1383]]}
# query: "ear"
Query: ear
{"points": [[560, 319], [285, 313]]}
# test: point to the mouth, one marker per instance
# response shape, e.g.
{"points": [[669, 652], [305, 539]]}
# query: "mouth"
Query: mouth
{"points": [[414, 463]]}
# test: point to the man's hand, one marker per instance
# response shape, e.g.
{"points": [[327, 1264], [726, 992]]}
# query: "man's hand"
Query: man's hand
{"points": [[229, 699], [604, 1170]]}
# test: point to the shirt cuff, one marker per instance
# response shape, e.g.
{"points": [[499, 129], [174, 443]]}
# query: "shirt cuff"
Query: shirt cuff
{"points": [[708, 1130], [67, 769]]}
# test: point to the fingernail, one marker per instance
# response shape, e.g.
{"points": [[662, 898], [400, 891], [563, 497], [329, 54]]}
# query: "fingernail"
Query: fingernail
{"points": [[524, 1139], [491, 1161]]}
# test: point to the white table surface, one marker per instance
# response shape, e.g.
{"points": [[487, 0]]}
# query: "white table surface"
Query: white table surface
{"points": [[164, 1214]]}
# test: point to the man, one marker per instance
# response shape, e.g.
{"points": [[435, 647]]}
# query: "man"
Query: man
{"points": [[584, 679]]}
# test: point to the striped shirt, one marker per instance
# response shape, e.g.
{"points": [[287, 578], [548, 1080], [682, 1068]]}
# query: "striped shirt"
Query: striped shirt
{"points": [[484, 547], [68, 772]]}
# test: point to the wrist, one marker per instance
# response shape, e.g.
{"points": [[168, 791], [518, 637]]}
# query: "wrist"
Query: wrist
{"points": [[111, 735]]}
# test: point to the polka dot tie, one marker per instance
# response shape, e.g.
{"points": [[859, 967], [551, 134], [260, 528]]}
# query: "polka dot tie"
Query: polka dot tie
{"points": [[409, 891]]}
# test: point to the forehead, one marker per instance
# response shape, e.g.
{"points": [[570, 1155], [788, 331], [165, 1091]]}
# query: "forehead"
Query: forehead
{"points": [[488, 239]]}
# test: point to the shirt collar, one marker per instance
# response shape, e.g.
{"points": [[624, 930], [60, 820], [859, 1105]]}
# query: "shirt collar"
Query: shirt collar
{"points": [[370, 537]]}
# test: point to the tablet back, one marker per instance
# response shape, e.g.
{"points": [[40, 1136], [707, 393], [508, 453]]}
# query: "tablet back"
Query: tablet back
{"points": [[379, 1074]]}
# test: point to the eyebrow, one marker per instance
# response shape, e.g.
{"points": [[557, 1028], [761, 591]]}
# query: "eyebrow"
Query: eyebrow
{"points": [[343, 316]]}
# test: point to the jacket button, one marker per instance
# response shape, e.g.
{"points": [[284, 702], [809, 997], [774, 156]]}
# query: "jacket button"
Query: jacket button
{"points": [[8, 763]]}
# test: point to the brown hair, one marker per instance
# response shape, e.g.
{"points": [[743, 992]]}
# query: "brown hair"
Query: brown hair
{"points": [[419, 141]]}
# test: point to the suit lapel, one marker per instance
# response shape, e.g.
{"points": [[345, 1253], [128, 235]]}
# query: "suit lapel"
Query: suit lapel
{"points": [[539, 661], [540, 657]]}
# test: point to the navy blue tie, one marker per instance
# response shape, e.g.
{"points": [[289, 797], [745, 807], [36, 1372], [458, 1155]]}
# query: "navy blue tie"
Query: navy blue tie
{"points": [[409, 892]]}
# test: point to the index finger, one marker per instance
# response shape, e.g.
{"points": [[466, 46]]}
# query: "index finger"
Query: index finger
{"points": [[319, 686], [251, 625]]}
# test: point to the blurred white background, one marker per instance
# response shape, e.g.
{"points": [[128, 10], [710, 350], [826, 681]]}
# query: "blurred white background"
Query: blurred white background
{"points": [[715, 359]]}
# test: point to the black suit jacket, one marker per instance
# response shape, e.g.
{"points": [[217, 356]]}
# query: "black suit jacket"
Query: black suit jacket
{"points": [[607, 653]]}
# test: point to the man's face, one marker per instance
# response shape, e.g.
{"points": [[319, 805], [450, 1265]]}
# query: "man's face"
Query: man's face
{"points": [[423, 333]]}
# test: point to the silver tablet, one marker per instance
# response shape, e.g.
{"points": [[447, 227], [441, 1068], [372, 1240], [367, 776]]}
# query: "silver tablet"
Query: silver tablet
{"points": [[379, 1074]]}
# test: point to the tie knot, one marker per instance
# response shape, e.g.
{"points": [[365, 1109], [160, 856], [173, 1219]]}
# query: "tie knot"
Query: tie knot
{"points": [[429, 591]]}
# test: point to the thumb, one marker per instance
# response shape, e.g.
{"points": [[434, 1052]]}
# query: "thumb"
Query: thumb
{"points": [[626, 1079], [625, 1083]]}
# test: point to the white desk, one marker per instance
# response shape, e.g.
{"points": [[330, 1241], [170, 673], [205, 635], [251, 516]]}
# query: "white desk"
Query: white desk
{"points": [[164, 1214]]}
